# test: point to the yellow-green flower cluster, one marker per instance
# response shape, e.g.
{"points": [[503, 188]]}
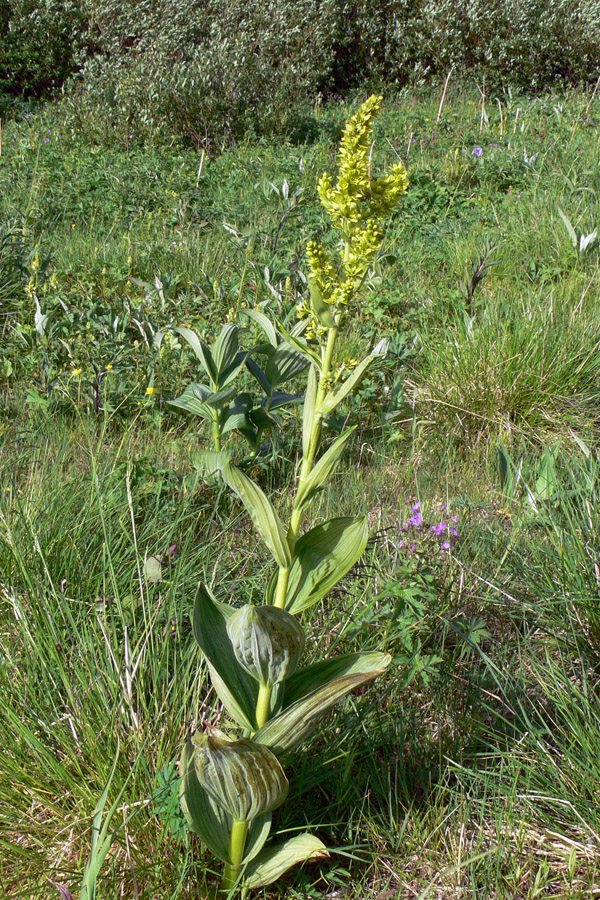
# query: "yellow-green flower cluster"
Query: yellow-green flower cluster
{"points": [[356, 204]]}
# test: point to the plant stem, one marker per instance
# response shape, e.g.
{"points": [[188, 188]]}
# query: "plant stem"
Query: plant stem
{"points": [[216, 431], [237, 844], [263, 705], [307, 461]]}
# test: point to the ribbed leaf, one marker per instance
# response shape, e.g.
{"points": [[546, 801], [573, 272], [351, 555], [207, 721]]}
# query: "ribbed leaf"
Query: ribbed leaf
{"points": [[201, 350], [225, 347], [321, 558], [201, 401], [209, 820], [335, 397], [262, 512], [322, 310], [264, 322], [283, 364], [260, 376], [205, 817], [209, 462], [236, 416], [230, 372], [273, 862], [308, 679], [322, 471], [303, 349], [295, 724], [267, 642], [235, 688], [244, 777], [308, 412]]}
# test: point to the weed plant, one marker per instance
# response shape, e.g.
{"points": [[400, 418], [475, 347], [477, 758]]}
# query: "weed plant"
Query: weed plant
{"points": [[469, 770]]}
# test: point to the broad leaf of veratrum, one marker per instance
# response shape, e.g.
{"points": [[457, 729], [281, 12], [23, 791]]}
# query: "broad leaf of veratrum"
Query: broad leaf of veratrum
{"points": [[308, 679], [322, 471], [201, 350], [294, 724], [262, 512], [205, 817], [322, 557], [335, 397], [209, 820], [273, 862], [309, 409], [225, 348], [237, 690]]}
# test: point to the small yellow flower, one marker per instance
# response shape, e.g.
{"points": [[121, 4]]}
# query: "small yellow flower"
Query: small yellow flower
{"points": [[76, 372], [109, 368], [150, 390], [72, 224]]}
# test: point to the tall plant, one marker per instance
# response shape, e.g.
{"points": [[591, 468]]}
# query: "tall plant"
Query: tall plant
{"points": [[231, 783]]}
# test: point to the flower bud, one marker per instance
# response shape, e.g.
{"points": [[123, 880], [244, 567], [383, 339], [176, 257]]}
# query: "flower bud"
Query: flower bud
{"points": [[267, 642], [243, 777]]}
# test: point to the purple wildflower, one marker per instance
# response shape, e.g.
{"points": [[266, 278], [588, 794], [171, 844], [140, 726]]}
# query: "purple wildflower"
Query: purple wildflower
{"points": [[477, 151], [416, 507], [416, 520], [454, 532], [445, 545], [439, 528]]}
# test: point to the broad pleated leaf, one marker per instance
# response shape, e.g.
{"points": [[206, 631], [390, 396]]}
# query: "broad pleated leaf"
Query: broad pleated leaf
{"points": [[262, 512], [236, 416], [225, 348], [235, 688], [200, 401], [210, 462], [264, 322], [201, 350], [259, 374], [292, 726], [322, 310], [284, 363], [205, 817], [273, 862], [322, 557], [244, 777], [322, 471], [335, 397], [230, 372], [209, 820], [308, 413], [299, 345], [308, 679], [267, 642]]}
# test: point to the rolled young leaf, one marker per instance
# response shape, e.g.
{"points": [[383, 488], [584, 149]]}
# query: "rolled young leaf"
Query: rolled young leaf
{"points": [[235, 688], [244, 777], [209, 820], [267, 642], [273, 862], [292, 726]]}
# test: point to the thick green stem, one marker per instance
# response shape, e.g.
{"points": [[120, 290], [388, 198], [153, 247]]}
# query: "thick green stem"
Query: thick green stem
{"points": [[237, 845], [263, 705], [216, 432], [307, 461]]}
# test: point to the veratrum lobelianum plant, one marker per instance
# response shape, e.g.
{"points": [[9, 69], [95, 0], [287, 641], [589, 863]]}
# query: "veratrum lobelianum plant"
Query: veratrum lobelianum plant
{"points": [[231, 783]]}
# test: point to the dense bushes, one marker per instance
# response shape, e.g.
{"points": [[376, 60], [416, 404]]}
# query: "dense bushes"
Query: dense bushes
{"points": [[209, 72]]}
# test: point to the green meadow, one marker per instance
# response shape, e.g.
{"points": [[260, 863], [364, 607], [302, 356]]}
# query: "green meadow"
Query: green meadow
{"points": [[470, 769]]}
